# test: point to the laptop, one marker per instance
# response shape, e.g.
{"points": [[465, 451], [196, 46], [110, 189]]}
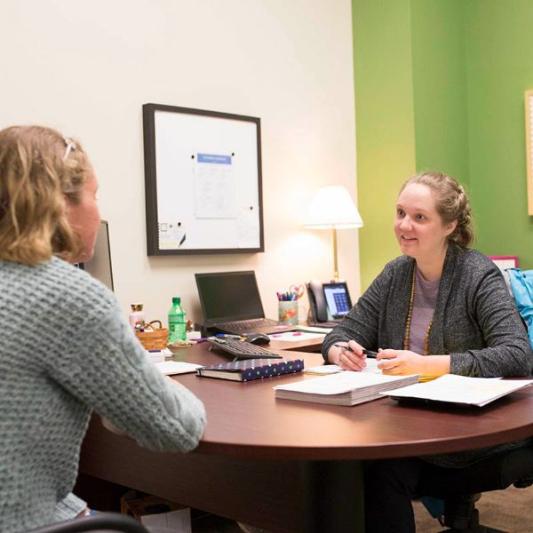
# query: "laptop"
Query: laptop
{"points": [[231, 303]]}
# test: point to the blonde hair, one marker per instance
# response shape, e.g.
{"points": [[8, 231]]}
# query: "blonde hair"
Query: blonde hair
{"points": [[39, 171], [452, 204]]}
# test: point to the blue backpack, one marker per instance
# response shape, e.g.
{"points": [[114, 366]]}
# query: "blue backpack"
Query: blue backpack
{"points": [[522, 288]]}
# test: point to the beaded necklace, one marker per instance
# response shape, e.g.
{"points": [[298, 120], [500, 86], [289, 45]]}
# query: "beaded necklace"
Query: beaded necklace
{"points": [[407, 335]]}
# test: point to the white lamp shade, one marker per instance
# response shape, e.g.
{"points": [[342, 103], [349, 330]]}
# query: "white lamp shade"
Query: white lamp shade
{"points": [[332, 207]]}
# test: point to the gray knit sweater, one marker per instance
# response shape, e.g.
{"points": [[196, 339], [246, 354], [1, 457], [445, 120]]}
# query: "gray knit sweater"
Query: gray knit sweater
{"points": [[66, 350], [475, 321]]}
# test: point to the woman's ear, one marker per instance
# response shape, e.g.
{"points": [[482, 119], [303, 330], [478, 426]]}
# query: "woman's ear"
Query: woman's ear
{"points": [[450, 228]]}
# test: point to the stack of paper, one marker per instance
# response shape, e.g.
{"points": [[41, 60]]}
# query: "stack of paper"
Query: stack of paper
{"points": [[461, 389], [323, 370], [170, 368], [345, 388]]}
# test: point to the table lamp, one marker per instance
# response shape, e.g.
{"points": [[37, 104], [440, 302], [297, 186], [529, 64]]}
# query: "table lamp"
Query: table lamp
{"points": [[332, 208]]}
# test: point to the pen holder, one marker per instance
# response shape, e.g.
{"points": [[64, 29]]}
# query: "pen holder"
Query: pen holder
{"points": [[288, 312]]}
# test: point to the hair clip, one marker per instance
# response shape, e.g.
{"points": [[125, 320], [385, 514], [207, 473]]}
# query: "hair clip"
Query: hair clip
{"points": [[70, 147]]}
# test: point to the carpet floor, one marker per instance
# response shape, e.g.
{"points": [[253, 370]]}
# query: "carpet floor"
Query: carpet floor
{"points": [[510, 510]]}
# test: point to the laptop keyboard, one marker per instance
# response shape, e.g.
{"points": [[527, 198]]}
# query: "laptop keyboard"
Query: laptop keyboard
{"points": [[242, 349], [243, 326]]}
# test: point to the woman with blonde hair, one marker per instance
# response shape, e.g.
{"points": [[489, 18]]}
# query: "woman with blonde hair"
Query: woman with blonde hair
{"points": [[65, 349], [439, 308]]}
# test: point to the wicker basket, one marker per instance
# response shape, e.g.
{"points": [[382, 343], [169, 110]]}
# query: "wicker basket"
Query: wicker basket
{"points": [[154, 336]]}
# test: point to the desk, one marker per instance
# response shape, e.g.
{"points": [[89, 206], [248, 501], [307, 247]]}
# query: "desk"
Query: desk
{"points": [[291, 466]]}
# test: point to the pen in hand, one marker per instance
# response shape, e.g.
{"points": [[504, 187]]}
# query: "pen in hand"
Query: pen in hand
{"points": [[368, 353]]}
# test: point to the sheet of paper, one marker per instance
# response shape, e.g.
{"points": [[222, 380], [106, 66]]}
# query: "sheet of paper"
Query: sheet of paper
{"points": [[461, 389], [170, 368], [295, 336], [313, 329], [372, 366], [324, 370], [214, 186]]}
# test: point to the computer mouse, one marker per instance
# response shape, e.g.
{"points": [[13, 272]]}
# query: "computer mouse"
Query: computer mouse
{"points": [[258, 338]]}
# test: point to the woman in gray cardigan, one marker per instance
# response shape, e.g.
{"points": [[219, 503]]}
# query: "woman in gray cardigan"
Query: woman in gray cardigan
{"points": [[440, 308]]}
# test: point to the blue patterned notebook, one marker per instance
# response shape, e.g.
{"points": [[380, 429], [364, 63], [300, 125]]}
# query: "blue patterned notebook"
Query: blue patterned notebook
{"points": [[249, 369]]}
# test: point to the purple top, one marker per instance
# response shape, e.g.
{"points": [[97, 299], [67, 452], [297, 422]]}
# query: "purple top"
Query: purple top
{"points": [[423, 306]]}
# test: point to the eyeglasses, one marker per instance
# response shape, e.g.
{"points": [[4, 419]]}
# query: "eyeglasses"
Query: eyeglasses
{"points": [[70, 147]]}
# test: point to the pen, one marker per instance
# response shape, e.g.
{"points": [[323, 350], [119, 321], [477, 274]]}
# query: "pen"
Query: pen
{"points": [[368, 353]]}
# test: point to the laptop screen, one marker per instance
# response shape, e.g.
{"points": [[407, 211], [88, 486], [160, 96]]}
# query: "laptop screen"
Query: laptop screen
{"points": [[227, 296], [337, 299]]}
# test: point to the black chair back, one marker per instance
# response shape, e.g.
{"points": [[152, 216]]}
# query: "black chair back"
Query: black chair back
{"points": [[98, 522]]}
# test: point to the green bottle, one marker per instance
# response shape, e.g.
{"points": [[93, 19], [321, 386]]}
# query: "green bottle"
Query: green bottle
{"points": [[177, 327]]}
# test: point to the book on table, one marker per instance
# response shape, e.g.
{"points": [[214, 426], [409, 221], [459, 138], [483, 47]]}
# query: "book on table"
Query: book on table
{"points": [[463, 390], [344, 388], [250, 369]]}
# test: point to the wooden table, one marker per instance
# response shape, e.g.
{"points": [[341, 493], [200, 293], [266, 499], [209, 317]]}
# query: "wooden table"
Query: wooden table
{"points": [[292, 466]]}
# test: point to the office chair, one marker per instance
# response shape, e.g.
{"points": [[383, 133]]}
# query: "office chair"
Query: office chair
{"points": [[460, 513], [98, 522]]}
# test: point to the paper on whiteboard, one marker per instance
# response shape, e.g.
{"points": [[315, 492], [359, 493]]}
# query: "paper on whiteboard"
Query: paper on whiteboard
{"points": [[171, 235], [248, 228], [214, 186]]}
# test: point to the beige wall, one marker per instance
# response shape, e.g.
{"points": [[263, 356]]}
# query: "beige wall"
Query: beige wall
{"points": [[87, 68]]}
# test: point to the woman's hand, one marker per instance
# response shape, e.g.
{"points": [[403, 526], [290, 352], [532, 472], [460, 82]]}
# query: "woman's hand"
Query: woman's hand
{"points": [[399, 362], [348, 355]]}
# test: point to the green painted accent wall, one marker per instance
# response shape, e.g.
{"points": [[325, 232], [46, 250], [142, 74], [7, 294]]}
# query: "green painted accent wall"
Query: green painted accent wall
{"points": [[410, 94], [499, 44], [384, 122], [439, 83]]}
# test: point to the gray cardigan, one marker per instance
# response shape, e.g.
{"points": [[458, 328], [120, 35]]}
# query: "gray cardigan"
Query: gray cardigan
{"points": [[475, 320]]}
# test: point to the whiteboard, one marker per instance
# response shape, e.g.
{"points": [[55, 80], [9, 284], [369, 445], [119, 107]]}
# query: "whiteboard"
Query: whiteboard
{"points": [[202, 180]]}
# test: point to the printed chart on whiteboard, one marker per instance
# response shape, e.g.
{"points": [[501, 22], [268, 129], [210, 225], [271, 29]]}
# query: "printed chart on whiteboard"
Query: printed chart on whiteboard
{"points": [[203, 181]]}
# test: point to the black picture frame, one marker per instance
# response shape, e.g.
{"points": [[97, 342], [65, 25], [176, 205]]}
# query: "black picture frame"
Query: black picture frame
{"points": [[173, 129]]}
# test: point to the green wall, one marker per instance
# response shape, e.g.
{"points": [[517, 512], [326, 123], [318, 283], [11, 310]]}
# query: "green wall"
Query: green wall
{"points": [[384, 122], [500, 69], [439, 81], [439, 85], [410, 99]]}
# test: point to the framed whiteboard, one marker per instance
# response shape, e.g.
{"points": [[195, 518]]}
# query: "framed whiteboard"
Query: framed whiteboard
{"points": [[203, 181]]}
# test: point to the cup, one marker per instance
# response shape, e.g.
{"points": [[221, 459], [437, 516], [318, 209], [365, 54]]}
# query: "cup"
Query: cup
{"points": [[288, 312]]}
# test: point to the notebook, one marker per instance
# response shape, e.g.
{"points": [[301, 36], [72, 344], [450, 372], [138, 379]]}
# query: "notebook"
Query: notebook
{"points": [[231, 303], [251, 369]]}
